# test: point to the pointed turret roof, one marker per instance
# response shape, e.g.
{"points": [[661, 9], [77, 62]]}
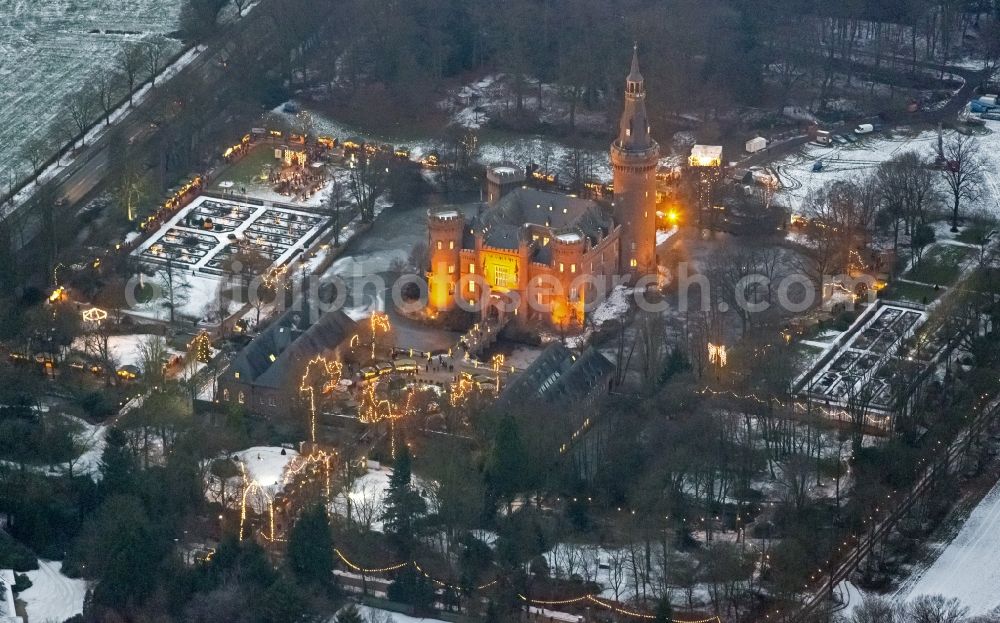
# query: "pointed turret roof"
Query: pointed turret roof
{"points": [[635, 75], [633, 130]]}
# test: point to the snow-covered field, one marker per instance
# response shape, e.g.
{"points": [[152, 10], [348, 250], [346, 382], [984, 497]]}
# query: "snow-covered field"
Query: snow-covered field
{"points": [[53, 597], [50, 49], [853, 161], [967, 569]]}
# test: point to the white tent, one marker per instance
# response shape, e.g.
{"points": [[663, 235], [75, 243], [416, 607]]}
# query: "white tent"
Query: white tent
{"points": [[756, 144]]}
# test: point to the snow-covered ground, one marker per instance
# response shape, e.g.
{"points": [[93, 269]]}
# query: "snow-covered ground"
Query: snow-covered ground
{"points": [[551, 155], [53, 597], [378, 615], [853, 161], [53, 49], [367, 495], [967, 569], [265, 468], [8, 613]]}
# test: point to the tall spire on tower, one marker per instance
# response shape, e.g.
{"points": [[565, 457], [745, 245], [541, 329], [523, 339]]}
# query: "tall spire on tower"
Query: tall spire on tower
{"points": [[635, 75], [633, 130]]}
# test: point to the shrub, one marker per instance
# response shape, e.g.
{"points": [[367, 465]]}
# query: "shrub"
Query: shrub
{"points": [[14, 555]]}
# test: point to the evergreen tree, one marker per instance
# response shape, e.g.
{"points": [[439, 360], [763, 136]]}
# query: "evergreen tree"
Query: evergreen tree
{"points": [[403, 506], [411, 587], [117, 464], [310, 546], [508, 470], [350, 614], [664, 612]]}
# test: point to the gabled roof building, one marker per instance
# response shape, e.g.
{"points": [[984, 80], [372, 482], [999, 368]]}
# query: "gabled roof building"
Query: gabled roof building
{"points": [[265, 376]]}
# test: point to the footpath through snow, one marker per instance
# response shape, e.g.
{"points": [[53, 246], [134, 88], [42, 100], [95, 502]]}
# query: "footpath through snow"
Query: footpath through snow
{"points": [[52, 596]]}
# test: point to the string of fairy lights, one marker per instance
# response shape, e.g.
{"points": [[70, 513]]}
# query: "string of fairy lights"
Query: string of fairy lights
{"points": [[591, 598]]}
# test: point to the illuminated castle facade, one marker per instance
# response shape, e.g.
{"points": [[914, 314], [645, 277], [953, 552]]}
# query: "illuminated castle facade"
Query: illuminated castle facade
{"points": [[540, 255]]}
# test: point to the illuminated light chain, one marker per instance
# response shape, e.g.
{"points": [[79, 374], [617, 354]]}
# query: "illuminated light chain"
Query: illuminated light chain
{"points": [[94, 314], [399, 565], [378, 321], [249, 487], [324, 373], [609, 606], [374, 409], [201, 345], [319, 458], [717, 354], [461, 390], [576, 434], [497, 363], [446, 584], [360, 569], [274, 275], [708, 390]]}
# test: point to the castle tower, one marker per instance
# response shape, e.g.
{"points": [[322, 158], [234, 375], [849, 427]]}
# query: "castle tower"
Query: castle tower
{"points": [[634, 155], [444, 233]]}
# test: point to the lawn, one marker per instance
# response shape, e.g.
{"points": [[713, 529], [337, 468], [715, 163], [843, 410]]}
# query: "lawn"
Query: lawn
{"points": [[247, 171], [941, 264], [912, 292]]}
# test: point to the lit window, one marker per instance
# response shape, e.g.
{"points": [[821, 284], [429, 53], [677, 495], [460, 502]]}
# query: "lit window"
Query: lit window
{"points": [[628, 131], [225, 395], [236, 374], [272, 357], [472, 268], [633, 263], [561, 267], [440, 245], [572, 268], [472, 286], [503, 277], [451, 269], [451, 244], [241, 398]]}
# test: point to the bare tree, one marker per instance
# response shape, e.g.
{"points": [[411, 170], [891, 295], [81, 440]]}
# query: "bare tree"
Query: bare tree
{"points": [[963, 172], [174, 284], [153, 356], [82, 106], [368, 176], [131, 59], [154, 49], [333, 204], [35, 151], [105, 86]]}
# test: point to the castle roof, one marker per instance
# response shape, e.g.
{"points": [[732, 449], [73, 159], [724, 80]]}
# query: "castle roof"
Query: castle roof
{"points": [[502, 224]]}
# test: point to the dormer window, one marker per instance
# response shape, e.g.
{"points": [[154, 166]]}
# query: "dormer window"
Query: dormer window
{"points": [[628, 131]]}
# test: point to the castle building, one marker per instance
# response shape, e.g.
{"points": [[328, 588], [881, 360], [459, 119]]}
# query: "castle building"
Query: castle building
{"points": [[540, 255]]}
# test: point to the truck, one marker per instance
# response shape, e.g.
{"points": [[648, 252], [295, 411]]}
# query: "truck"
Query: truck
{"points": [[864, 128]]}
